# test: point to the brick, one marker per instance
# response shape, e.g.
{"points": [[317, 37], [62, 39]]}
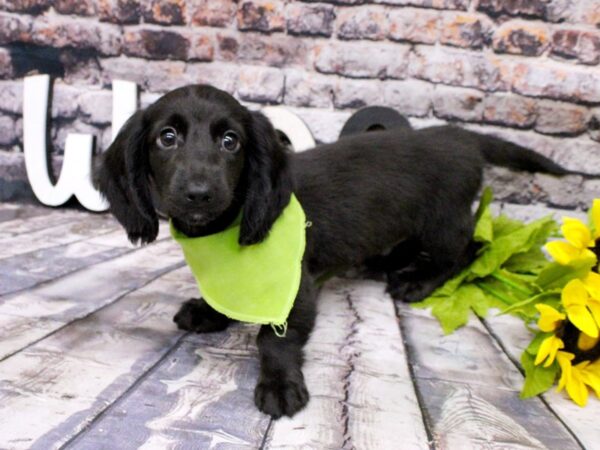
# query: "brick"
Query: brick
{"points": [[26, 6], [410, 97], [529, 8], [308, 89], [414, 25], [14, 28], [559, 81], [227, 46], [11, 97], [580, 12], [261, 15], [521, 38], [362, 23], [119, 11], [221, 75], [165, 12], [6, 68], [8, 135], [80, 68], [561, 118], [509, 109], [64, 129], [460, 68], [155, 44], [202, 47], [581, 45], [349, 59], [309, 20], [356, 93], [65, 101], [594, 124], [509, 186], [155, 76], [458, 103], [76, 7], [465, 30], [261, 84], [277, 51], [96, 106], [77, 33], [436, 4], [559, 192], [212, 13]]}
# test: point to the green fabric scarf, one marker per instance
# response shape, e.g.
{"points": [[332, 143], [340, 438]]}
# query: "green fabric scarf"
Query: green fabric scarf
{"points": [[256, 283]]}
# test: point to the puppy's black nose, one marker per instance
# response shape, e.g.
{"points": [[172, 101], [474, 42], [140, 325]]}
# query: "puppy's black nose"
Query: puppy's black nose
{"points": [[199, 193]]}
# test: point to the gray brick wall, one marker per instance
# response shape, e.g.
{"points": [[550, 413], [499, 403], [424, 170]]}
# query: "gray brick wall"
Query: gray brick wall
{"points": [[527, 70]]}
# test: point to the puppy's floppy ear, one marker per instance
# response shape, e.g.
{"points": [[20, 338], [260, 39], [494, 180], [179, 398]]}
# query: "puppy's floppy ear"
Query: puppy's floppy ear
{"points": [[268, 180], [121, 174]]}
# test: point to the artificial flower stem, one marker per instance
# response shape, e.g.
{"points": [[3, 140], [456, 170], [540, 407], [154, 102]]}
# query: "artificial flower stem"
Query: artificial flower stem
{"points": [[495, 293], [517, 287]]}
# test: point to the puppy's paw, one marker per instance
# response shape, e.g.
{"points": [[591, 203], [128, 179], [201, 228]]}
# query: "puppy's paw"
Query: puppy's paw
{"points": [[196, 315], [283, 396], [411, 291]]}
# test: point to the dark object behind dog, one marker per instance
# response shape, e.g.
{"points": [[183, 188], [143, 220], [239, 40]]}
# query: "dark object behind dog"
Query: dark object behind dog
{"points": [[402, 194]]}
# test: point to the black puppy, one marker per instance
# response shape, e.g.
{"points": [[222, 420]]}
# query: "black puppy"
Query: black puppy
{"points": [[403, 194]]}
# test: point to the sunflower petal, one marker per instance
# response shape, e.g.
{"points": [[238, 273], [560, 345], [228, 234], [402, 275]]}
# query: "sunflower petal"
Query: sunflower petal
{"points": [[577, 233], [581, 317], [550, 318], [592, 284], [576, 388], [574, 294], [548, 349], [564, 361], [594, 307], [562, 252], [585, 342], [596, 217]]}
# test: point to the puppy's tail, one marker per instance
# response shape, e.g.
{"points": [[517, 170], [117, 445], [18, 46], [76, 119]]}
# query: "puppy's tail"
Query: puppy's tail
{"points": [[513, 156]]}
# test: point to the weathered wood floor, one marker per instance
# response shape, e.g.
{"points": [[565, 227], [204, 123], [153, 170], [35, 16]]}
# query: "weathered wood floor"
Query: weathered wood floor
{"points": [[90, 359]]}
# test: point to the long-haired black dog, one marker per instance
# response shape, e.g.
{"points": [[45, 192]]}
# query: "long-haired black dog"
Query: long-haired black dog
{"points": [[402, 194]]}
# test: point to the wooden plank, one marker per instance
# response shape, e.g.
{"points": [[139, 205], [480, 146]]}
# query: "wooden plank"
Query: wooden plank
{"points": [[13, 211], [30, 269], [201, 396], [28, 220], [362, 395], [78, 294], [470, 390], [76, 229], [55, 388]]}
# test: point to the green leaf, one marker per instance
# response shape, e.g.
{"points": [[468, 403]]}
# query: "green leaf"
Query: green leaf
{"points": [[503, 225], [538, 379], [484, 231], [527, 307], [557, 276], [501, 249], [532, 261], [453, 311]]}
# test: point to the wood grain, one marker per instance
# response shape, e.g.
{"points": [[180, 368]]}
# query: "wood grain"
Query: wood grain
{"points": [[71, 376], [76, 295], [362, 395], [471, 390]]}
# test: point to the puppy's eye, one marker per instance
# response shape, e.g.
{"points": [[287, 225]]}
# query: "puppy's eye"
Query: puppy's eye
{"points": [[230, 142], [168, 137]]}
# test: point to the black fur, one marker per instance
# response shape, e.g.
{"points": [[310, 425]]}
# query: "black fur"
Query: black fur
{"points": [[397, 199]]}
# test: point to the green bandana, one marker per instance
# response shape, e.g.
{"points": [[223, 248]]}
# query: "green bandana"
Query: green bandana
{"points": [[256, 283]]}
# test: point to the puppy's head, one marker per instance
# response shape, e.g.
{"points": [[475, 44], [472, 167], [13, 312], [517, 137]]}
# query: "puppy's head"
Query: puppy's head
{"points": [[205, 157]]}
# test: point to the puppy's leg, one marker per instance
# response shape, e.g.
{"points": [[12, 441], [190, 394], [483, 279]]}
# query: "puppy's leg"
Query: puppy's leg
{"points": [[446, 250], [196, 315], [281, 390]]}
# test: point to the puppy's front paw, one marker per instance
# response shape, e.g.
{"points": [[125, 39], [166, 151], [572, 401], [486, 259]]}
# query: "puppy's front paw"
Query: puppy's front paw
{"points": [[195, 315], [283, 396]]}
